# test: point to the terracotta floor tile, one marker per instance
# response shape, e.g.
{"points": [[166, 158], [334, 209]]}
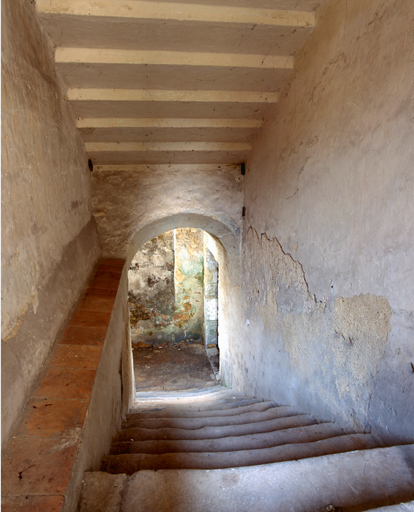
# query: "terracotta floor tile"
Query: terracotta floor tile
{"points": [[100, 292], [90, 318], [32, 503], [37, 466], [77, 356], [103, 304], [75, 335], [107, 274], [104, 283], [112, 261], [54, 418], [62, 383], [108, 267]]}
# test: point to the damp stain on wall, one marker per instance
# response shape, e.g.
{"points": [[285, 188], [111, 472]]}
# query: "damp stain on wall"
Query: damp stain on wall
{"points": [[166, 289]]}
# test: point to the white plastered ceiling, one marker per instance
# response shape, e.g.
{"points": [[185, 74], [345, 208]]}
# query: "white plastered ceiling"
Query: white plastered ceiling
{"points": [[164, 83]]}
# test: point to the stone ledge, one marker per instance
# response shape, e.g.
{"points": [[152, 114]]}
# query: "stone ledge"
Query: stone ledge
{"points": [[38, 462]]}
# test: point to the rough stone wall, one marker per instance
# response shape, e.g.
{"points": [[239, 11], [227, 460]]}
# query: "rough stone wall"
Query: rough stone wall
{"points": [[189, 285], [49, 241], [151, 290], [127, 201], [166, 289], [328, 296]]}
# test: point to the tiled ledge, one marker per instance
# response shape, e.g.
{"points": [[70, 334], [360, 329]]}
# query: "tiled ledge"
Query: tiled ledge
{"points": [[38, 461]]}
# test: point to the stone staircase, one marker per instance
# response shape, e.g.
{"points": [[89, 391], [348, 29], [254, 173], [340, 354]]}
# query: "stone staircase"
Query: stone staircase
{"points": [[216, 450]]}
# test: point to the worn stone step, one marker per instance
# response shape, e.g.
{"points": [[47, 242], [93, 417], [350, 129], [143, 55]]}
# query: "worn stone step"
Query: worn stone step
{"points": [[214, 405], [190, 395], [212, 420], [205, 393], [215, 432], [346, 482], [400, 507], [131, 463], [191, 412], [306, 434]]}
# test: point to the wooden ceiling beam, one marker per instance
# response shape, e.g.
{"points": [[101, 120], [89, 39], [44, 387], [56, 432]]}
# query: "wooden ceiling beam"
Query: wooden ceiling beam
{"points": [[164, 167], [151, 95], [176, 11], [168, 58], [146, 147], [103, 122]]}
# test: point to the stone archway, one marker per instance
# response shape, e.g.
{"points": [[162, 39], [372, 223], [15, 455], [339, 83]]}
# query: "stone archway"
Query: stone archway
{"points": [[227, 234], [227, 254]]}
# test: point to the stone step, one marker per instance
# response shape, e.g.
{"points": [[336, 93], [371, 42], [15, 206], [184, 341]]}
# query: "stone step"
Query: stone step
{"points": [[191, 392], [346, 482], [195, 411], [212, 420], [306, 434], [130, 463], [192, 395], [400, 507], [215, 432], [227, 403]]}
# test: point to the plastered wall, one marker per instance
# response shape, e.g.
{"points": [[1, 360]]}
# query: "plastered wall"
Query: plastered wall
{"points": [[127, 201], [328, 240], [49, 240]]}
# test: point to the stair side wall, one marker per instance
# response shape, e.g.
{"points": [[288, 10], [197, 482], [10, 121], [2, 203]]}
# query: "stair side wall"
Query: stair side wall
{"points": [[49, 239], [111, 397]]}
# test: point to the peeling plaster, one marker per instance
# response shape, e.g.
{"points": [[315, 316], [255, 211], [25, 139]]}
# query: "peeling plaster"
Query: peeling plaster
{"points": [[279, 273], [334, 348]]}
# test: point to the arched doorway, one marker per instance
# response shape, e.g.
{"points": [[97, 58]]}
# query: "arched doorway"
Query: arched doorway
{"points": [[173, 307], [221, 251]]}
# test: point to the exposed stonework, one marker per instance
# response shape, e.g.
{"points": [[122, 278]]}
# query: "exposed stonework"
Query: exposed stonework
{"points": [[189, 285], [279, 274], [151, 289], [166, 289]]}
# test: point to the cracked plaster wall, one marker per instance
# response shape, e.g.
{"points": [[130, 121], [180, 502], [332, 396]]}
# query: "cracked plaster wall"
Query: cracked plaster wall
{"points": [[328, 294], [49, 240]]}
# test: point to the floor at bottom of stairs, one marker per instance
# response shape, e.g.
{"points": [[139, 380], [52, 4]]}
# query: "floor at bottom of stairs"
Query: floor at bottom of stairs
{"points": [[172, 367]]}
